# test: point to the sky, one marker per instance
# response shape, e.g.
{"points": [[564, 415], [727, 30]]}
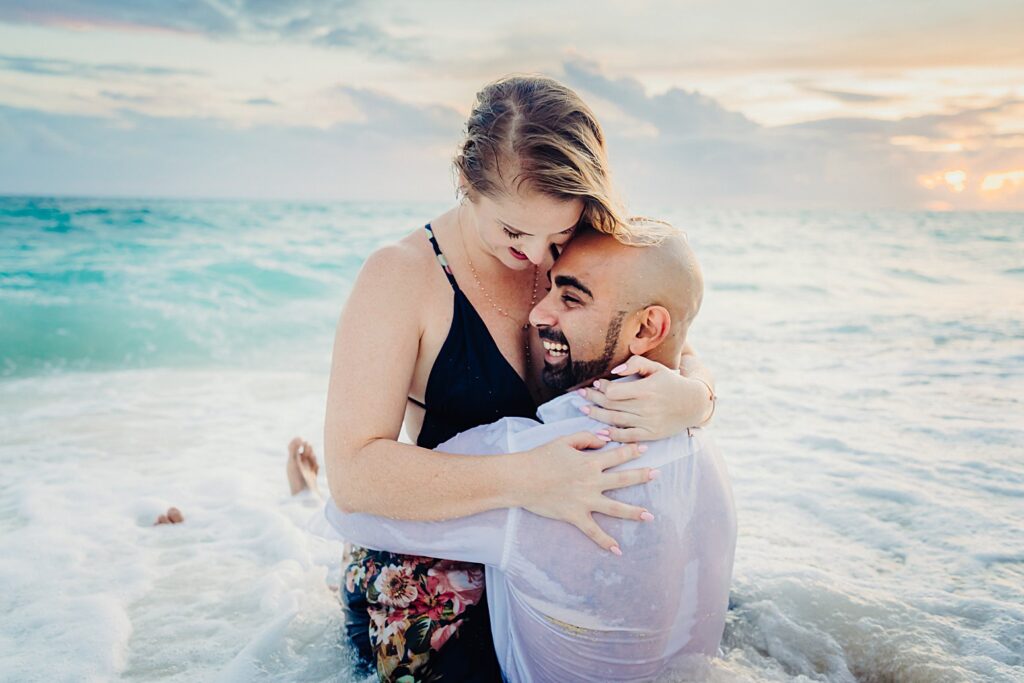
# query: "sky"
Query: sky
{"points": [[909, 104]]}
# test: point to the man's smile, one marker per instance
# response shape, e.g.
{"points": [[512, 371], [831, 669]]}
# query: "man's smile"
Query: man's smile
{"points": [[555, 352], [556, 347]]}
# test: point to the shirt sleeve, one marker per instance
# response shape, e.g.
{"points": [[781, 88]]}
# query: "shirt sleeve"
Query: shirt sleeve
{"points": [[480, 538]]}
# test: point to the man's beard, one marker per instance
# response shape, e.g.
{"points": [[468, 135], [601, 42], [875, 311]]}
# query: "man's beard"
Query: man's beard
{"points": [[576, 372]]}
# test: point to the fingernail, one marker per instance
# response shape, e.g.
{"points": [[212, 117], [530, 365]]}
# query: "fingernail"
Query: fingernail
{"points": [[619, 368], [642, 448], [605, 432], [597, 383], [582, 392], [585, 410], [654, 474], [646, 516], [616, 550], [604, 437]]}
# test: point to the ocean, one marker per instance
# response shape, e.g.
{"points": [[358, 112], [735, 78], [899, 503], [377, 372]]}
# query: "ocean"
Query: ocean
{"points": [[870, 368]]}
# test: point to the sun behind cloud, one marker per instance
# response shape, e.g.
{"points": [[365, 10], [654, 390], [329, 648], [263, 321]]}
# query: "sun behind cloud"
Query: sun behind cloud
{"points": [[955, 180], [1003, 181]]}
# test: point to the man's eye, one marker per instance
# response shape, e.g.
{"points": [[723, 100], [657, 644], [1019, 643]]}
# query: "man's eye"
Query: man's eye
{"points": [[513, 235], [570, 300]]}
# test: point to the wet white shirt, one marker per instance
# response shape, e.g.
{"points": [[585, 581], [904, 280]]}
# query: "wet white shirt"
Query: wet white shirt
{"points": [[563, 609]]}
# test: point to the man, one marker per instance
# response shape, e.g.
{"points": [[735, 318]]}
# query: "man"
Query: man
{"points": [[562, 608]]}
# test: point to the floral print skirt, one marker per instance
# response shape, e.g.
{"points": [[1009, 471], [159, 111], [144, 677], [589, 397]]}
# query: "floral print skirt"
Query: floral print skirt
{"points": [[418, 619]]}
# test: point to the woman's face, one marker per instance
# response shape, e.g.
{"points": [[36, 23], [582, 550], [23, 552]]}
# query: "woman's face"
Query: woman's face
{"points": [[519, 228]]}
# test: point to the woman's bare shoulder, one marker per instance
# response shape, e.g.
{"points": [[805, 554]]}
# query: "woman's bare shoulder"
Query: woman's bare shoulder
{"points": [[403, 267]]}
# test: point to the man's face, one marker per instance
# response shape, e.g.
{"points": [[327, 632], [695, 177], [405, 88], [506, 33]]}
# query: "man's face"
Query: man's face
{"points": [[579, 321]]}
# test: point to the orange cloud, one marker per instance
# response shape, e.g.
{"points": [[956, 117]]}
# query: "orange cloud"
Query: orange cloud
{"points": [[1002, 181], [955, 180]]}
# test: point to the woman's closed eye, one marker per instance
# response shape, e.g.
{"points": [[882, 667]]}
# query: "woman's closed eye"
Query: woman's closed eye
{"points": [[516, 235], [564, 237]]}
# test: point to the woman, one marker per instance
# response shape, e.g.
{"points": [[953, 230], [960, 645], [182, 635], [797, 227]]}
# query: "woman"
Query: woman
{"points": [[435, 334]]}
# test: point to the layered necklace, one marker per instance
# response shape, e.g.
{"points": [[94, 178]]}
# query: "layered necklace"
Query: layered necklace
{"points": [[483, 290]]}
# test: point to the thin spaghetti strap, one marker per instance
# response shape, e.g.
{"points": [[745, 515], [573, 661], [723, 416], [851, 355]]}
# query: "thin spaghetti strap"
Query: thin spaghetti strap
{"points": [[440, 256]]}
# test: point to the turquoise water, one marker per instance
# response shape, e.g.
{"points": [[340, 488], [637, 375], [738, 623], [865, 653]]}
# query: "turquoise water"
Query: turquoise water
{"points": [[871, 373], [99, 285]]}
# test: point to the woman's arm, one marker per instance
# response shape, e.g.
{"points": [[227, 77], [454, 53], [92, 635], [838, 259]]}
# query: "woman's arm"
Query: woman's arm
{"points": [[375, 350], [664, 402], [690, 366]]}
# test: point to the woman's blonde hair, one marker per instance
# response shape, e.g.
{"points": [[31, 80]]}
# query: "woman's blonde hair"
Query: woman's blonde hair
{"points": [[535, 131]]}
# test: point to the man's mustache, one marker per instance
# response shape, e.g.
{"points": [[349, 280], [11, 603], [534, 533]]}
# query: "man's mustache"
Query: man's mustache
{"points": [[552, 336]]}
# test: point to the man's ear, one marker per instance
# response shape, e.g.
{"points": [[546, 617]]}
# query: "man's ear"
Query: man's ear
{"points": [[655, 325]]}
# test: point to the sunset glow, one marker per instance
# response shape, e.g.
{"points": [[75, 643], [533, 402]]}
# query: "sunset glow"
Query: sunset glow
{"points": [[923, 144], [955, 180], [350, 100], [997, 182]]}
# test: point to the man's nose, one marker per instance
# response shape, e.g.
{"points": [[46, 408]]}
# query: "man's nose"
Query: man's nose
{"points": [[542, 314]]}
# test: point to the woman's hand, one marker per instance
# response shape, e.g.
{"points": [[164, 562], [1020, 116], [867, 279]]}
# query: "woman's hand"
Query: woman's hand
{"points": [[661, 404], [568, 484]]}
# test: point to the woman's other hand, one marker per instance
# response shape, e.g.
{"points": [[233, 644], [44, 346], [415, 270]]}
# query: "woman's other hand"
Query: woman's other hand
{"points": [[568, 484], [662, 403]]}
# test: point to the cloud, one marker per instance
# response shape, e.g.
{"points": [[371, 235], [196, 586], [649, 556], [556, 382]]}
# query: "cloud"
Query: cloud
{"points": [[125, 97], [175, 15], [704, 154], [330, 23], [973, 121], [694, 152], [847, 96], [675, 113], [396, 150], [391, 116], [261, 102], [41, 66]]}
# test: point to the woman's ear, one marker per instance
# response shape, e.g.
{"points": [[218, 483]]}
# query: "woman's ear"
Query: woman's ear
{"points": [[655, 325], [462, 188]]}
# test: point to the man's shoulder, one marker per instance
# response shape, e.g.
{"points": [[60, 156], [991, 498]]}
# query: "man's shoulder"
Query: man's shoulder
{"points": [[691, 440], [672, 449]]}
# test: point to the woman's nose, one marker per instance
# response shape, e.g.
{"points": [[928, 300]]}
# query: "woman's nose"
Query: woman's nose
{"points": [[536, 253]]}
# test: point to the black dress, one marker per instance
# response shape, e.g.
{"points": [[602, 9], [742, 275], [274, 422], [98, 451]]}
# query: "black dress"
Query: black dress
{"points": [[401, 612]]}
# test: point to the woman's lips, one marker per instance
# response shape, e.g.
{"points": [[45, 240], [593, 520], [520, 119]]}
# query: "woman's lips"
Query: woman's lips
{"points": [[518, 254]]}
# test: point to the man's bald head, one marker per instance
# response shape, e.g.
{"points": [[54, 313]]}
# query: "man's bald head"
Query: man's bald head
{"points": [[610, 300], [665, 273]]}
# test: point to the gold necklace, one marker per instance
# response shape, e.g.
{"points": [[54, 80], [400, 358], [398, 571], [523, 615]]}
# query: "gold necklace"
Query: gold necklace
{"points": [[494, 305]]}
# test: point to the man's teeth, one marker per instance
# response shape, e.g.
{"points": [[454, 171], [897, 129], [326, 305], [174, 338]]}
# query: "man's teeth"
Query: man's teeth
{"points": [[555, 349]]}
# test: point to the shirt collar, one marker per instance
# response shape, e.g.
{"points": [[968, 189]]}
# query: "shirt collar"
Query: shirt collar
{"points": [[568, 405]]}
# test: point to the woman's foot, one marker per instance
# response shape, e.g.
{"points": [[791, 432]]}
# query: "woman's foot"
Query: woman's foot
{"points": [[172, 516], [302, 467]]}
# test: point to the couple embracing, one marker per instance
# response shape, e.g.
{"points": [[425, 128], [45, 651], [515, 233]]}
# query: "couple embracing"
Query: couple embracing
{"points": [[558, 517]]}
